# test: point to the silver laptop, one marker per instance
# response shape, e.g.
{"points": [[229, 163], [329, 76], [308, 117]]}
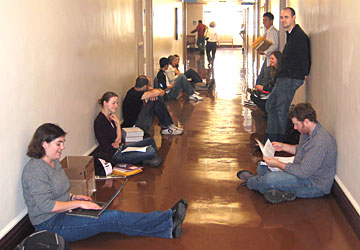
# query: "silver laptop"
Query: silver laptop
{"points": [[96, 213]]}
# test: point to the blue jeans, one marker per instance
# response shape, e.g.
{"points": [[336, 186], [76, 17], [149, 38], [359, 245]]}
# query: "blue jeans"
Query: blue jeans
{"points": [[201, 43], [181, 83], [73, 228], [149, 111], [137, 157], [277, 107], [266, 180]]}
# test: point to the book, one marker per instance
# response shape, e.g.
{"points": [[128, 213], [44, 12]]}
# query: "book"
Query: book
{"points": [[261, 44], [135, 149], [109, 177], [267, 150], [133, 139], [126, 170], [132, 132]]}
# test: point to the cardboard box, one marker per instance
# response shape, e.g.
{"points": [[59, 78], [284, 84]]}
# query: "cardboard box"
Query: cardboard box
{"points": [[81, 172]]}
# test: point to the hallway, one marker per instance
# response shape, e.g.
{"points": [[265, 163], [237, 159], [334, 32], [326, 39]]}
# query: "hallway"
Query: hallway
{"points": [[201, 166]]}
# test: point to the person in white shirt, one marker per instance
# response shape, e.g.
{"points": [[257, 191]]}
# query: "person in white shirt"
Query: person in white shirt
{"points": [[272, 35], [212, 42]]}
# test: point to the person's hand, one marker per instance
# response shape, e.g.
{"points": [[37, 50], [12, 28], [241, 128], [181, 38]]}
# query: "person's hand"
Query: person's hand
{"points": [[278, 146], [81, 197], [259, 87], [261, 52], [271, 161], [115, 119], [89, 205], [307, 78], [153, 98], [115, 144]]}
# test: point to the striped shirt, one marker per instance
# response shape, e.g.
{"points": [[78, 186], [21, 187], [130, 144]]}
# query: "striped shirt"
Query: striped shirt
{"points": [[315, 159]]}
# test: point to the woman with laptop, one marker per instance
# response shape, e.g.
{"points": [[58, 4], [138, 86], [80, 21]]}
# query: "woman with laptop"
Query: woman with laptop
{"points": [[46, 194], [108, 133]]}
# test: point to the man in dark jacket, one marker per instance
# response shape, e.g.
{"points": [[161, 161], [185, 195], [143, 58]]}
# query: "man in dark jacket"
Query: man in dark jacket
{"points": [[295, 67]]}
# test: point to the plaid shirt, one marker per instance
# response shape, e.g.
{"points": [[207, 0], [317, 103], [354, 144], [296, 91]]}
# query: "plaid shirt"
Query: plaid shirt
{"points": [[315, 159]]}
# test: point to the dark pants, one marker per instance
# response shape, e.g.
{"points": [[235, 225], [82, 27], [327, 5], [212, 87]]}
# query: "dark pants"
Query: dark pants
{"points": [[148, 113], [181, 84], [201, 44], [135, 157], [195, 77], [259, 102], [277, 107], [210, 51]]}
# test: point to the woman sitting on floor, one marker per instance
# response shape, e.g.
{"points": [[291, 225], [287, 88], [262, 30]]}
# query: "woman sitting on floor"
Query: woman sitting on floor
{"points": [[46, 193], [266, 81], [108, 134]]}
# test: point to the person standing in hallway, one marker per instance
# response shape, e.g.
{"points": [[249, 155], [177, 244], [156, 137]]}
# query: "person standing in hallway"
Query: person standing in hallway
{"points": [[295, 67], [200, 29], [211, 43], [271, 34], [312, 172]]}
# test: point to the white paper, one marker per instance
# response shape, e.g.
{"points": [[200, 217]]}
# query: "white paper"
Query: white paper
{"points": [[135, 149], [268, 150], [282, 159]]}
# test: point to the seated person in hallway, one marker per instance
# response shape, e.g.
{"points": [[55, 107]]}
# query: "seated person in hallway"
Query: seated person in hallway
{"points": [[313, 170], [190, 74], [107, 129], [46, 193], [142, 103], [173, 84], [266, 81]]}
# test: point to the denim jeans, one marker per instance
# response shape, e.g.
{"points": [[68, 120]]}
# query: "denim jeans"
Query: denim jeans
{"points": [[195, 77], [277, 107], [181, 83], [201, 43], [148, 113], [73, 228], [266, 180], [137, 157], [211, 51]]}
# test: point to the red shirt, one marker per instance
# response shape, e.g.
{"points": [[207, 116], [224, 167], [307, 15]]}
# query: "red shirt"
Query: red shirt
{"points": [[200, 29]]}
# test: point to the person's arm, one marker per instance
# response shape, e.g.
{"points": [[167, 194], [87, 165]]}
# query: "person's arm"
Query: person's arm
{"points": [[279, 146], [102, 129], [117, 141], [177, 71], [272, 162], [273, 37], [63, 206], [196, 29], [152, 93]]}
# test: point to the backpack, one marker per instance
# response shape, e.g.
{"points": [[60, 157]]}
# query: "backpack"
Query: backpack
{"points": [[43, 240]]}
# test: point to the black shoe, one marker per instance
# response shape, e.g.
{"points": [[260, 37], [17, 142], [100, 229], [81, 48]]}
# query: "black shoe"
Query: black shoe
{"points": [[276, 196], [244, 175], [179, 213], [154, 162]]}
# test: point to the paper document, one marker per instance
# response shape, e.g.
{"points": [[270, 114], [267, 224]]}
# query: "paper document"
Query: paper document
{"points": [[135, 149], [268, 150], [282, 159]]}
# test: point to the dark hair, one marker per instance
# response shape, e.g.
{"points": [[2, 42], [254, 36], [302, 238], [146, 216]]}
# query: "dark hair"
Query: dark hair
{"points": [[45, 133], [274, 70], [269, 15], [200, 21], [106, 97], [176, 55], [302, 111], [141, 81], [163, 62], [291, 10]]}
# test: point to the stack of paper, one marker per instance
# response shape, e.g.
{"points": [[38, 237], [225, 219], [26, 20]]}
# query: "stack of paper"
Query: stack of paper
{"points": [[126, 170], [261, 44], [132, 134]]}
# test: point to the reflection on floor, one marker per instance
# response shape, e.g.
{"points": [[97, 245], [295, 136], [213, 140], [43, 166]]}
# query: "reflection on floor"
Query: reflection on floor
{"points": [[201, 166]]}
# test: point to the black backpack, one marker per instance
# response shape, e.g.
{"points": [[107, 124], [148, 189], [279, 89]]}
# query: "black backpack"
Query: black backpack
{"points": [[43, 240]]}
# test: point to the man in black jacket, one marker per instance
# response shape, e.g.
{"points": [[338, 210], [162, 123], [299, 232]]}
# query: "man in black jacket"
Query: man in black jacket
{"points": [[295, 67]]}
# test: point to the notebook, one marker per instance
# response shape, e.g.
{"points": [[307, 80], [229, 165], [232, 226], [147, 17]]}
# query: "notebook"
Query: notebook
{"points": [[96, 213]]}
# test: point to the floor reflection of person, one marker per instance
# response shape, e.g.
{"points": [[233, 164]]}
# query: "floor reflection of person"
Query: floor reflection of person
{"points": [[46, 193]]}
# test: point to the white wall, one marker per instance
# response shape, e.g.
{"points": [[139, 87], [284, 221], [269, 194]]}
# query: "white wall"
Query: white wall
{"points": [[333, 30], [57, 59]]}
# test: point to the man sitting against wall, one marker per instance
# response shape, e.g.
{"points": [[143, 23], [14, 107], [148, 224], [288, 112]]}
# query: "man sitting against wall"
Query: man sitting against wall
{"points": [[313, 170], [142, 103]]}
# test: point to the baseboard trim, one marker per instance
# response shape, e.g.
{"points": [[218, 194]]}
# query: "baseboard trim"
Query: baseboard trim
{"points": [[21, 230], [347, 208]]}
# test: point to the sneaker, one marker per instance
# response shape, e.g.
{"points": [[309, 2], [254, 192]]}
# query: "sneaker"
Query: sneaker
{"points": [[170, 131], [179, 213], [276, 196], [154, 162], [244, 175], [195, 97], [177, 128]]}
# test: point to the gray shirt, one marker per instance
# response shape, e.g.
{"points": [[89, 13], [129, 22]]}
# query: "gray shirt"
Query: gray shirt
{"points": [[42, 187], [315, 159]]}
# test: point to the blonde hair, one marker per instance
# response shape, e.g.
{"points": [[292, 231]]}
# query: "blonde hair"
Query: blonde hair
{"points": [[212, 24]]}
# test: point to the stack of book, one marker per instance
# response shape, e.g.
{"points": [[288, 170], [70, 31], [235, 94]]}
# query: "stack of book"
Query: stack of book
{"points": [[132, 134], [126, 170]]}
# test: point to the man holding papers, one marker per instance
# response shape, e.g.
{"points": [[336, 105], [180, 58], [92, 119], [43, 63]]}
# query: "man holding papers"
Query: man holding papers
{"points": [[312, 172]]}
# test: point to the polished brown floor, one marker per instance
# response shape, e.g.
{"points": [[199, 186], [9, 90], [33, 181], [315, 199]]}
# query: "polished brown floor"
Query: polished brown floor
{"points": [[201, 166]]}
